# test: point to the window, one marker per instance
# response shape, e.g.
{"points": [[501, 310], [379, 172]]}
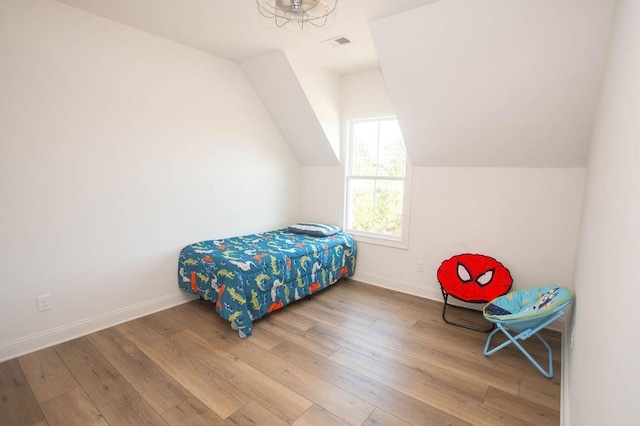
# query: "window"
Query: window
{"points": [[376, 177]]}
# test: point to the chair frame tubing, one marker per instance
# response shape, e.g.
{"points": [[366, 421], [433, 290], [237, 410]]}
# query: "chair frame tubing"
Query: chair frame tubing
{"points": [[523, 335], [445, 296]]}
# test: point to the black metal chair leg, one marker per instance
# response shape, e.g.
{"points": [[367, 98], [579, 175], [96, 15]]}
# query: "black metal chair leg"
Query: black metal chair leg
{"points": [[445, 296]]}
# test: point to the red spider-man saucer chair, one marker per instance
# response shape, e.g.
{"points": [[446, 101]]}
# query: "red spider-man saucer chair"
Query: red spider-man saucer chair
{"points": [[472, 278]]}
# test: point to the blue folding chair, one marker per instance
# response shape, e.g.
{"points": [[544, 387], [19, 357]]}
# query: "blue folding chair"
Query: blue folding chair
{"points": [[526, 312]]}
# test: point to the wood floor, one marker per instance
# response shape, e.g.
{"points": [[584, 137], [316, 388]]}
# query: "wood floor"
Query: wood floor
{"points": [[352, 355]]}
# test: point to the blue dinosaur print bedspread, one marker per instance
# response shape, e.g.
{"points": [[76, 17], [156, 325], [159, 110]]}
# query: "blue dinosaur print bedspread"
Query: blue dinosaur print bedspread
{"points": [[250, 276]]}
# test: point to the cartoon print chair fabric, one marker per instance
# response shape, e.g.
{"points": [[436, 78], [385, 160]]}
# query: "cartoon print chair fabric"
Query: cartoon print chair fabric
{"points": [[472, 278], [526, 312]]}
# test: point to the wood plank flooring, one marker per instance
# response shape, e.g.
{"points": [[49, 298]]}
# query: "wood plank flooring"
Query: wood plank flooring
{"points": [[354, 354]]}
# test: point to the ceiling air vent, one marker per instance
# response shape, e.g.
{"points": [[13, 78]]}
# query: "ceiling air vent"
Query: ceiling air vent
{"points": [[336, 41]]}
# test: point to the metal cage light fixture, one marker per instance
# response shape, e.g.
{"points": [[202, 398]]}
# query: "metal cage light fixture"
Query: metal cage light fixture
{"points": [[297, 12]]}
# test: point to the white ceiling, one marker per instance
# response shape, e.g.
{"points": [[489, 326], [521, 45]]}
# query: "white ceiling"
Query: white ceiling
{"points": [[496, 83], [233, 29], [491, 83]]}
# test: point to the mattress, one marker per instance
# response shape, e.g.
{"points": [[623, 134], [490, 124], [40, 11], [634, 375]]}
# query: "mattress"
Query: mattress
{"points": [[250, 276]]}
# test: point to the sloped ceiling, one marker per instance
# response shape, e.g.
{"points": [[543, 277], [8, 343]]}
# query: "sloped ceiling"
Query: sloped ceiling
{"points": [[496, 82], [323, 90], [280, 90], [235, 30]]}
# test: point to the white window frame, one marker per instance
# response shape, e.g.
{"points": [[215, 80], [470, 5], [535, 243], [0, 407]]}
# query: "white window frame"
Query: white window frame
{"points": [[401, 242]]}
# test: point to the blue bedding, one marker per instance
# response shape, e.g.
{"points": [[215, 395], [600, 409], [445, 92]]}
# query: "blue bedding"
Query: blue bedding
{"points": [[250, 276]]}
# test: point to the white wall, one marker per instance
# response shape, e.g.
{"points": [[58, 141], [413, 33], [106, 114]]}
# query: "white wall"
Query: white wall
{"points": [[525, 217], [118, 148], [602, 386], [319, 200], [365, 95]]}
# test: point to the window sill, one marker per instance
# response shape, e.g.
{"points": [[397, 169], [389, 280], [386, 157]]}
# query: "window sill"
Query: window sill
{"points": [[379, 241]]}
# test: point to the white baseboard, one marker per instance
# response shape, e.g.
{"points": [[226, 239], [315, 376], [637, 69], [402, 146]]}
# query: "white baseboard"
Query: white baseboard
{"points": [[419, 290], [44, 339], [399, 285], [63, 333]]}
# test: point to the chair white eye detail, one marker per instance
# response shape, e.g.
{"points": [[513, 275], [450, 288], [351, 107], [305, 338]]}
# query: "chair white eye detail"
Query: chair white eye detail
{"points": [[463, 273], [485, 278]]}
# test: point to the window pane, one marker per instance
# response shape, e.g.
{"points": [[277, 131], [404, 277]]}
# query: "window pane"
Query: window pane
{"points": [[361, 204], [388, 207], [375, 177], [364, 154], [392, 153]]}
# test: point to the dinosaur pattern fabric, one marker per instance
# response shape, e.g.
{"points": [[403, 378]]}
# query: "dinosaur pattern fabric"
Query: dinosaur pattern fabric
{"points": [[250, 276]]}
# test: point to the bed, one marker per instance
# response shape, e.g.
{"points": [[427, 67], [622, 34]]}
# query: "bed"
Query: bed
{"points": [[250, 276]]}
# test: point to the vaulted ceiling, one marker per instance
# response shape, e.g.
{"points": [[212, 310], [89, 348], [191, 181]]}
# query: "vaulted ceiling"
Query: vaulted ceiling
{"points": [[497, 83], [490, 83], [233, 29], [292, 109]]}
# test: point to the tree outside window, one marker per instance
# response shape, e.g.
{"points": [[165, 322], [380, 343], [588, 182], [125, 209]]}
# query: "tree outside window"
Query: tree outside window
{"points": [[375, 177]]}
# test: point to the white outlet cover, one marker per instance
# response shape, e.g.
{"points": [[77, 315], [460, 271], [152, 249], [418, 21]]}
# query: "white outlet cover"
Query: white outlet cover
{"points": [[43, 302]]}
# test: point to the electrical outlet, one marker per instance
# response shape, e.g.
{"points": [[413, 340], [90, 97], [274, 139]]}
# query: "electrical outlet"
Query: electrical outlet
{"points": [[44, 302], [420, 266]]}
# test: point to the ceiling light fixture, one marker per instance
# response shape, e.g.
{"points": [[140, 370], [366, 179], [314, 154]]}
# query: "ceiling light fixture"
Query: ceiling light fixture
{"points": [[297, 12]]}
